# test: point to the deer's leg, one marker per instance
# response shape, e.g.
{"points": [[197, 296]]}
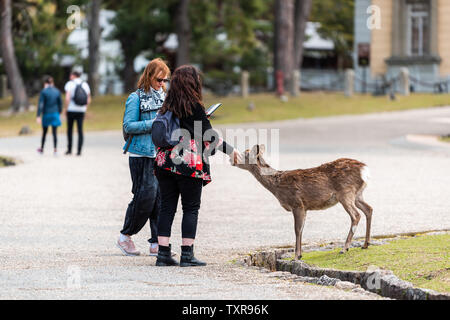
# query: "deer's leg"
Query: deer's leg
{"points": [[299, 222], [368, 213], [349, 206]]}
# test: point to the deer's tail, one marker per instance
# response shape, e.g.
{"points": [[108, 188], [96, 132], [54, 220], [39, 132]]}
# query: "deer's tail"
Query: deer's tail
{"points": [[365, 174]]}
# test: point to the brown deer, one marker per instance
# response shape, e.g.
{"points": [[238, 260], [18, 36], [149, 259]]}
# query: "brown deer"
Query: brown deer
{"points": [[318, 188]]}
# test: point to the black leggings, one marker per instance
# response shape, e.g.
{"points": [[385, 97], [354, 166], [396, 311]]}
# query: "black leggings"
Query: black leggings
{"points": [[172, 186], [78, 117], [44, 134]]}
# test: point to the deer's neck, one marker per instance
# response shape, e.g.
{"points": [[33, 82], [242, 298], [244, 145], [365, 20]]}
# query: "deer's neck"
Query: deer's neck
{"points": [[264, 174]]}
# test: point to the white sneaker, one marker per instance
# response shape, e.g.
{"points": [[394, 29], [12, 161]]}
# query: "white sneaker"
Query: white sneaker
{"points": [[127, 247], [154, 249]]}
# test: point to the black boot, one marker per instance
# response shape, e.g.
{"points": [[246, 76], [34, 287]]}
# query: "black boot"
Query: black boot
{"points": [[165, 257], [187, 257]]}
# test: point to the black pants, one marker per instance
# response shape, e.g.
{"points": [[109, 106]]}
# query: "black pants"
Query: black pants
{"points": [[146, 201], [44, 134], [78, 117], [172, 186]]}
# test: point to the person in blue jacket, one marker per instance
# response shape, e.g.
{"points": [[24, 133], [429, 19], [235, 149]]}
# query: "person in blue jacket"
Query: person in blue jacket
{"points": [[140, 111], [48, 112]]}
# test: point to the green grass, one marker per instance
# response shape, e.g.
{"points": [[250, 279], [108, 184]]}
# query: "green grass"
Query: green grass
{"points": [[5, 161], [445, 139], [268, 107], [106, 111], [423, 260]]}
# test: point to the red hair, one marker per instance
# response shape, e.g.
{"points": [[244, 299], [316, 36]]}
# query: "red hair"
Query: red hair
{"points": [[150, 73]]}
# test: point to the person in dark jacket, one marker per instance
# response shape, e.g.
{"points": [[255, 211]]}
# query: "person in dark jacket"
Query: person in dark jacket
{"points": [[184, 169], [48, 113]]}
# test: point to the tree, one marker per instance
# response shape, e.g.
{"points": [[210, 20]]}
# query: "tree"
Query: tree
{"points": [[40, 33], [229, 36], [139, 26], [301, 15], [95, 32], [336, 23], [284, 44], [183, 30], [20, 98]]}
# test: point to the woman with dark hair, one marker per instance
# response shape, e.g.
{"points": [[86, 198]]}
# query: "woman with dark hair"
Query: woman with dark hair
{"points": [[184, 169], [48, 113]]}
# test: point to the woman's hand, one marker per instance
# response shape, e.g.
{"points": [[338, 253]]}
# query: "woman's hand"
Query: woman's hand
{"points": [[235, 157], [38, 120]]}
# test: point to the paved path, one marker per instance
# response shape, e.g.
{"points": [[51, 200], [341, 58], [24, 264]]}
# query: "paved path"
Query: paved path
{"points": [[63, 214]]}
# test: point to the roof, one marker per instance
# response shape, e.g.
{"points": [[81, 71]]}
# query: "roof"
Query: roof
{"points": [[313, 40]]}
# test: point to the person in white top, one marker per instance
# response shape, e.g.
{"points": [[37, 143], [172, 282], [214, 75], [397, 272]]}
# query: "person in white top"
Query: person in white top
{"points": [[77, 100]]}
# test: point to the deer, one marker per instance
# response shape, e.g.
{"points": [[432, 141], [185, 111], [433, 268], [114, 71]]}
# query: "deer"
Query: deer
{"points": [[341, 181]]}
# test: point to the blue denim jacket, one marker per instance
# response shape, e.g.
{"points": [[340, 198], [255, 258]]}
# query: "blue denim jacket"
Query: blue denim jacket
{"points": [[140, 111]]}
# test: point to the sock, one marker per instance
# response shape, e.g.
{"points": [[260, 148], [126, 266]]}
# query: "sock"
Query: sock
{"points": [[124, 238]]}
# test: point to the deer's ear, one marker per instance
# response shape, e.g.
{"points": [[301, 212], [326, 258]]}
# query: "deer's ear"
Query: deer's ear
{"points": [[255, 150], [262, 149]]}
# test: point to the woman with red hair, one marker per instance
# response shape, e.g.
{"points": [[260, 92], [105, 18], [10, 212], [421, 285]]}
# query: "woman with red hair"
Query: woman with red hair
{"points": [[140, 111]]}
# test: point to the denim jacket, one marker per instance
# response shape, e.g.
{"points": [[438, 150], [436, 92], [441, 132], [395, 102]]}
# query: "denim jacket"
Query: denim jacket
{"points": [[140, 111]]}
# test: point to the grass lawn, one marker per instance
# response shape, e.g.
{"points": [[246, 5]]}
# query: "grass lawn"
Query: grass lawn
{"points": [[106, 111], [5, 161], [446, 139], [423, 260]]}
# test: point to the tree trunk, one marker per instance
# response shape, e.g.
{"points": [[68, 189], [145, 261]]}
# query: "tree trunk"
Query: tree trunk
{"points": [[129, 75], [20, 98], [284, 43], [302, 11], [340, 61], [183, 30], [94, 41]]}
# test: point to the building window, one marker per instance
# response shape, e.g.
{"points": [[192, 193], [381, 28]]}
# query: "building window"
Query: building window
{"points": [[418, 23]]}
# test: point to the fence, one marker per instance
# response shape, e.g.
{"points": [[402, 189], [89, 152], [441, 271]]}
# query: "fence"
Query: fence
{"points": [[346, 81]]}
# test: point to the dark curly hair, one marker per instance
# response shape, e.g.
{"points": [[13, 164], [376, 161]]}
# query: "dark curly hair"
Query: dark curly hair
{"points": [[185, 92]]}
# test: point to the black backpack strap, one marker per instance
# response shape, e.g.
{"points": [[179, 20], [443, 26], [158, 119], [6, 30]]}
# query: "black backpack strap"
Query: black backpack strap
{"points": [[131, 135], [128, 144]]}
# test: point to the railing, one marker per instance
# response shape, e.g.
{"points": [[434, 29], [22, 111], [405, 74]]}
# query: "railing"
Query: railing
{"points": [[381, 86]]}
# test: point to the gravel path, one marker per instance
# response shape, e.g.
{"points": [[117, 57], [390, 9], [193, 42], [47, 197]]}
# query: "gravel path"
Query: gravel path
{"points": [[63, 214]]}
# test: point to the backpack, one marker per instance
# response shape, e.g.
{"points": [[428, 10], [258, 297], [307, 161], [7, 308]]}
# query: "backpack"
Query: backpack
{"points": [[163, 129], [80, 96]]}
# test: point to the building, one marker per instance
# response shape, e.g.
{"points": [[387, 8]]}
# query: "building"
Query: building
{"points": [[319, 70], [110, 53], [395, 34]]}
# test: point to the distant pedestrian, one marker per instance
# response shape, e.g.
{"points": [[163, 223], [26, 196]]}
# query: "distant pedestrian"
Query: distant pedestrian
{"points": [[77, 100], [48, 113], [140, 111]]}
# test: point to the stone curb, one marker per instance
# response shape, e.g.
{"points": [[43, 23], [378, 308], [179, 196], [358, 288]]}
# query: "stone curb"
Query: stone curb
{"points": [[381, 282], [428, 140]]}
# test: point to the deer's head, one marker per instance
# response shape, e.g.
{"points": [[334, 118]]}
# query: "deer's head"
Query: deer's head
{"points": [[252, 157]]}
